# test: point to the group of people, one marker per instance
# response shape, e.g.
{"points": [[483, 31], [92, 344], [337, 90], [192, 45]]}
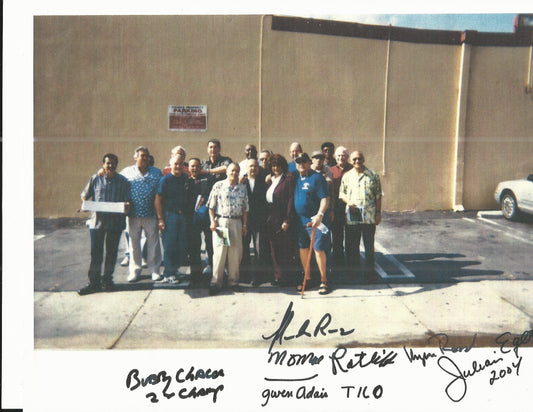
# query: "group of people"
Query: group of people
{"points": [[262, 204]]}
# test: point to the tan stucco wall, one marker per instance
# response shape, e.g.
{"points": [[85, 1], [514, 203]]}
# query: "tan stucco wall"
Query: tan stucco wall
{"points": [[103, 83], [499, 122]]}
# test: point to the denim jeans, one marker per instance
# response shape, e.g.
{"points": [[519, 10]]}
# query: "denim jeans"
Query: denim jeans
{"points": [[174, 242], [111, 239]]}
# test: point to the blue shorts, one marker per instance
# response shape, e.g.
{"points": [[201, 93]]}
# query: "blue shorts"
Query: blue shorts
{"points": [[322, 240]]}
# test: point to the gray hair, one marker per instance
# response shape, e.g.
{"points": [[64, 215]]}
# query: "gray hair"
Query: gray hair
{"points": [[140, 149], [342, 149], [176, 149]]}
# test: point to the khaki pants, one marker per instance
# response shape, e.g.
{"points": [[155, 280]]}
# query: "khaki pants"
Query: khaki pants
{"points": [[227, 254], [135, 226]]}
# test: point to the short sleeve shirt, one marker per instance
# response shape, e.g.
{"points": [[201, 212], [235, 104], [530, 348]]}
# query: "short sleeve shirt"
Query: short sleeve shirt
{"points": [[103, 189], [363, 191], [308, 193], [199, 187], [174, 191], [338, 172], [292, 167], [207, 164], [227, 200], [143, 190]]}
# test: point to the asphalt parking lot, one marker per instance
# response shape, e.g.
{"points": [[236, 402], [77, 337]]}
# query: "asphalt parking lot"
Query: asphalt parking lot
{"points": [[462, 274], [422, 247]]}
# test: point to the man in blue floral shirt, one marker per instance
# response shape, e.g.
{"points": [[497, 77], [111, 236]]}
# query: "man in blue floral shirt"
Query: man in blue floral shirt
{"points": [[144, 181]]}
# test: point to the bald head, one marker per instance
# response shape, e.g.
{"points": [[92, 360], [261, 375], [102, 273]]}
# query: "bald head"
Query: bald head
{"points": [[358, 160], [295, 149]]}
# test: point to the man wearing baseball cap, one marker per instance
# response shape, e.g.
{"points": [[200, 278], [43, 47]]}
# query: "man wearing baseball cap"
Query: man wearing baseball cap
{"points": [[311, 200]]}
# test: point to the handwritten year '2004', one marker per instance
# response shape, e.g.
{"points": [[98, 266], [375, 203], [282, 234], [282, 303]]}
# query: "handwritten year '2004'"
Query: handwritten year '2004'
{"points": [[455, 367], [449, 361]]}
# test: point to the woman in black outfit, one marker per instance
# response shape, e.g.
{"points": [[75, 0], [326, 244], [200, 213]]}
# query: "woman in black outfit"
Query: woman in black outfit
{"points": [[280, 221]]}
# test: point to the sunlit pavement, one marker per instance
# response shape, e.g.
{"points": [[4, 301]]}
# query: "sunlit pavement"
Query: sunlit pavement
{"points": [[438, 272]]}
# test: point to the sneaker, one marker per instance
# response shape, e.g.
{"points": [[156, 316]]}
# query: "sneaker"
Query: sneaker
{"points": [[90, 288], [169, 280], [125, 261], [156, 277], [144, 263], [207, 270], [133, 277]]}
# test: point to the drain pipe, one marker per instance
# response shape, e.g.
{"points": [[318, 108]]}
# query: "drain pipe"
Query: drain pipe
{"points": [[385, 101], [529, 84], [460, 130]]}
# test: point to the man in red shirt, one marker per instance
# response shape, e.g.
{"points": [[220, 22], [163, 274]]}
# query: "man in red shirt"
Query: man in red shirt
{"points": [[338, 220]]}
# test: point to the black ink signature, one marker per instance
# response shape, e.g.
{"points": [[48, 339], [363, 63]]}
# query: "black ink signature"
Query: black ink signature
{"points": [[383, 360], [322, 328], [134, 381], [303, 392], [411, 356], [295, 359], [456, 389], [442, 340], [516, 342]]}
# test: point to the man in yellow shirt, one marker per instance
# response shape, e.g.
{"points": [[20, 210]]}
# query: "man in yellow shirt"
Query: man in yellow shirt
{"points": [[361, 191]]}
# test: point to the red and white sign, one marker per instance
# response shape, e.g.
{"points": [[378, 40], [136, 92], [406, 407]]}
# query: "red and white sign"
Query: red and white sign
{"points": [[187, 118]]}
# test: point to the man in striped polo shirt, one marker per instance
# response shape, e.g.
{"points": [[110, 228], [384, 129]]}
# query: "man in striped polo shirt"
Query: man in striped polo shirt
{"points": [[105, 227]]}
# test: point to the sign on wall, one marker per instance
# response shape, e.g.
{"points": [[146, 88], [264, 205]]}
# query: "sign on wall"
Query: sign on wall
{"points": [[187, 118]]}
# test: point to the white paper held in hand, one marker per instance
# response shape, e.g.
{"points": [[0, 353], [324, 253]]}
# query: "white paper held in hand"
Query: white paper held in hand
{"points": [[109, 207]]}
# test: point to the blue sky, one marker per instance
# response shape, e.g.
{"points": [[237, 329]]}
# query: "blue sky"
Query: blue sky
{"points": [[460, 22]]}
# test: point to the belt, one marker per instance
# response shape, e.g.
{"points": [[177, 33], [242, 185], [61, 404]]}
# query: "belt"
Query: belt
{"points": [[229, 217]]}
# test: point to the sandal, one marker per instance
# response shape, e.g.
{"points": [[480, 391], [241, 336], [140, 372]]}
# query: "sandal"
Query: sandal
{"points": [[307, 284], [323, 290]]}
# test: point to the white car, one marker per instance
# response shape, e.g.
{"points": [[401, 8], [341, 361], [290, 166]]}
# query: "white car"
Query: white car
{"points": [[515, 196]]}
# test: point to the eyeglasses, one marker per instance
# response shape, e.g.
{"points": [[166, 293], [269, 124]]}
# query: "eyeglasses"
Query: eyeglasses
{"points": [[355, 159]]}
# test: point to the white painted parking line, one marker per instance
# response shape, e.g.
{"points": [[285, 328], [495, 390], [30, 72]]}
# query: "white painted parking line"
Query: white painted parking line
{"points": [[407, 274], [382, 273], [493, 213], [37, 237], [492, 222], [504, 231]]}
